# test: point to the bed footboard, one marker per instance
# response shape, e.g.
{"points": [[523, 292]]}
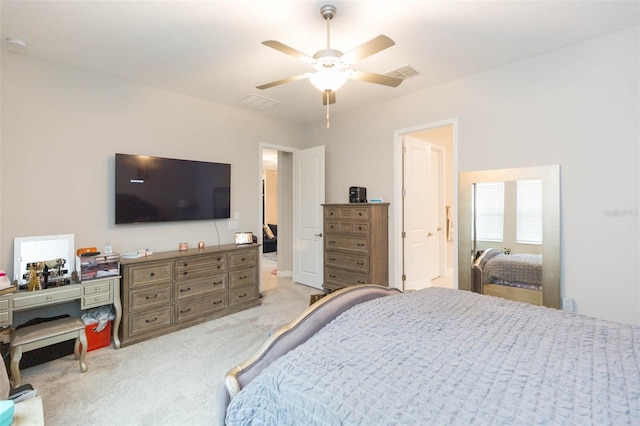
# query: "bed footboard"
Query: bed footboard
{"points": [[299, 330]]}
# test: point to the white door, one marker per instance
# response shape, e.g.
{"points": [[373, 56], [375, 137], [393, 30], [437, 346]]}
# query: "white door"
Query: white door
{"points": [[416, 177], [308, 197]]}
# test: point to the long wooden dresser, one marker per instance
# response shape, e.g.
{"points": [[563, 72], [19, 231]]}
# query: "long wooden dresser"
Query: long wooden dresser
{"points": [[169, 291], [356, 244]]}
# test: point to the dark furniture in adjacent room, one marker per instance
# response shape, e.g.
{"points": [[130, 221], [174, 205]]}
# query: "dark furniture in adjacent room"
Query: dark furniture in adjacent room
{"points": [[270, 238]]}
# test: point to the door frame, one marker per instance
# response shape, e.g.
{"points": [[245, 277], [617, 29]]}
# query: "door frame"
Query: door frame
{"points": [[397, 197]]}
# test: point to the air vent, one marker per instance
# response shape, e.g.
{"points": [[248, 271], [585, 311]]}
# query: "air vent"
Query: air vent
{"points": [[257, 102], [403, 72]]}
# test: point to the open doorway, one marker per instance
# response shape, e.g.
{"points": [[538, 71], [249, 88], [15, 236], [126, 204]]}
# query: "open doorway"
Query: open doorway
{"points": [[276, 188], [270, 211], [425, 206]]}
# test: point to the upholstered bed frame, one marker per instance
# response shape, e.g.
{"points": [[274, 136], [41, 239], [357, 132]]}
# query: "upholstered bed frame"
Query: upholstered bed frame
{"points": [[295, 333]]}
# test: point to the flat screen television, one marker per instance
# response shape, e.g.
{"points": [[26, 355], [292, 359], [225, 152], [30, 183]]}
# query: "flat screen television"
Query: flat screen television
{"points": [[154, 189]]}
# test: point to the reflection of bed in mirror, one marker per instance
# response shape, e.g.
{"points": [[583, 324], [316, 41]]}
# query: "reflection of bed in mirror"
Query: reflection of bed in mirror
{"points": [[510, 276]]}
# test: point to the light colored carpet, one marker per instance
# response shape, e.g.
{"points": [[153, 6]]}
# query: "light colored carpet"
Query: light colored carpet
{"points": [[169, 380]]}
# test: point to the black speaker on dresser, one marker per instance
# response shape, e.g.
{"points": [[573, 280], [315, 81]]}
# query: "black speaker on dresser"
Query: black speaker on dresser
{"points": [[357, 194]]}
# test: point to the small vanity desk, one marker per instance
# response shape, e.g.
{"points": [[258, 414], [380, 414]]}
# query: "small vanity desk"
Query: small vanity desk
{"points": [[90, 294]]}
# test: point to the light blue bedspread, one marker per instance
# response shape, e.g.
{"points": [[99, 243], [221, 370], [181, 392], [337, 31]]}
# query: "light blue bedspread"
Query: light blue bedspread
{"points": [[440, 356]]}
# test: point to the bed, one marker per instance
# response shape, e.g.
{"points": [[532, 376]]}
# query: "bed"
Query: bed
{"points": [[511, 276], [438, 356]]}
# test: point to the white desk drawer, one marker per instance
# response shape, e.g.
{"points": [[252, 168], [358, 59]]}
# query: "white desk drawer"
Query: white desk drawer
{"points": [[101, 287], [5, 318], [4, 304], [96, 299], [47, 297]]}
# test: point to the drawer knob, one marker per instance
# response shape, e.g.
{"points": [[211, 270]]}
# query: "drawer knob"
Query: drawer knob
{"points": [[360, 263], [332, 276], [219, 266], [185, 273], [359, 214], [330, 213], [244, 277], [153, 274], [185, 311], [97, 299], [217, 282], [332, 242], [186, 264], [98, 288], [359, 228], [332, 258], [151, 297], [240, 296], [182, 290], [151, 320], [360, 244], [49, 297], [243, 259], [360, 282], [217, 302]]}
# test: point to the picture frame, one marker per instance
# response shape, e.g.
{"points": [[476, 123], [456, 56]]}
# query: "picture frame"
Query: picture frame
{"points": [[244, 238]]}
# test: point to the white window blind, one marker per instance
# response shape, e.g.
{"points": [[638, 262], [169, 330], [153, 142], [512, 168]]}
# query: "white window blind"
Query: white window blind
{"points": [[489, 209], [529, 211]]}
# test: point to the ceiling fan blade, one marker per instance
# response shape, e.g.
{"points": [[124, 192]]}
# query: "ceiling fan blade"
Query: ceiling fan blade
{"points": [[376, 78], [332, 98], [367, 49], [283, 81], [289, 51]]}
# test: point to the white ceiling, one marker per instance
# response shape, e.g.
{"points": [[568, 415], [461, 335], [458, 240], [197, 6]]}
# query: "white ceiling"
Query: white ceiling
{"points": [[212, 49]]}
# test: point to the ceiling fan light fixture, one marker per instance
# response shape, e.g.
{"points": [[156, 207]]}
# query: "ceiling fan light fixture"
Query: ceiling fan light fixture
{"points": [[330, 80]]}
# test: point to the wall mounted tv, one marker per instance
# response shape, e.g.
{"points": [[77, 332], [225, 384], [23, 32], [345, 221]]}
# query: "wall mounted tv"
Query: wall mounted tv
{"points": [[153, 189]]}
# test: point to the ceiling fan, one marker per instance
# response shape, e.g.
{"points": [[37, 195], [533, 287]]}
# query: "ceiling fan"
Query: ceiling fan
{"points": [[332, 67]]}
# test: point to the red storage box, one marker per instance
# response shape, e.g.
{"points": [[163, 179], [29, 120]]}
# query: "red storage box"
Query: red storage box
{"points": [[96, 340]]}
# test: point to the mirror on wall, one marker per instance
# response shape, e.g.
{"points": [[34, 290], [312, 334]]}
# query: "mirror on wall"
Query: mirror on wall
{"points": [[509, 234]]}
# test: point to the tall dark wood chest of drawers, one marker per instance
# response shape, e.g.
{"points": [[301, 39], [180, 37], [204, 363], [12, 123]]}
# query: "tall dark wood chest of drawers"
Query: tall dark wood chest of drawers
{"points": [[356, 244], [172, 290]]}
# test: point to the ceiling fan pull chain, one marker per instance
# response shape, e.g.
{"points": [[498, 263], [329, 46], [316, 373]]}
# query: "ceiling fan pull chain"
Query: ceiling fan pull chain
{"points": [[327, 93]]}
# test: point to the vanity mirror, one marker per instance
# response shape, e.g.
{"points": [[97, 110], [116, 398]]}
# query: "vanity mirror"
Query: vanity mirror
{"points": [[509, 234], [51, 256]]}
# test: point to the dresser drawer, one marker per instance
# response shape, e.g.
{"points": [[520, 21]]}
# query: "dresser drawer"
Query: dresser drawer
{"points": [[347, 261], [346, 227], [198, 273], [149, 297], [47, 297], [338, 276], [356, 213], [355, 244], [194, 288], [147, 321], [242, 259], [195, 308], [243, 295], [150, 274], [4, 304], [242, 277], [200, 266], [96, 299]]}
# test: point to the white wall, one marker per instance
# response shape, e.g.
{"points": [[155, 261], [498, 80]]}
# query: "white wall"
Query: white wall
{"points": [[61, 128], [577, 107]]}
